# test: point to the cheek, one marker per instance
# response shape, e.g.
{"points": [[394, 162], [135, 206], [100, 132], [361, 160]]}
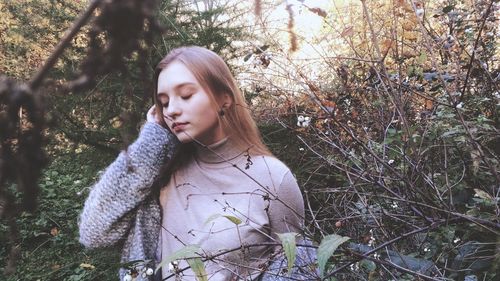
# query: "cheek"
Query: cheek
{"points": [[203, 111], [164, 113]]}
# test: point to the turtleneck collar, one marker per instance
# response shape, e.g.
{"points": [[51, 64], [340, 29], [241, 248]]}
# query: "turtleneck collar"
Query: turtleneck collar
{"points": [[219, 152]]}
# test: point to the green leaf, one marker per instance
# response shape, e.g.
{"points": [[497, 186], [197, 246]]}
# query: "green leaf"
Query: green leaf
{"points": [[212, 218], [247, 57], [232, 219], [188, 252], [448, 9], [422, 58], [367, 265], [198, 268], [289, 245], [326, 249]]}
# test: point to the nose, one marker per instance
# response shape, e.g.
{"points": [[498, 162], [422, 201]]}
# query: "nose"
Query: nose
{"points": [[172, 110]]}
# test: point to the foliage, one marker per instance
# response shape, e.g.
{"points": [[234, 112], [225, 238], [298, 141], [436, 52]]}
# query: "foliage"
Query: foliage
{"points": [[48, 237], [326, 249], [289, 246], [29, 31], [391, 128], [396, 114]]}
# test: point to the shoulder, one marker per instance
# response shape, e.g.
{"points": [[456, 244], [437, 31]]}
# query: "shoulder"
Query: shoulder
{"points": [[270, 168], [270, 164]]}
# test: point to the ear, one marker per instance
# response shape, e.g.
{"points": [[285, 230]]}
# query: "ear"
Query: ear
{"points": [[227, 101]]}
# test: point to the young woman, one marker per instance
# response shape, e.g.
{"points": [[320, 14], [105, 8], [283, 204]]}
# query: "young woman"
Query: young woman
{"points": [[222, 190]]}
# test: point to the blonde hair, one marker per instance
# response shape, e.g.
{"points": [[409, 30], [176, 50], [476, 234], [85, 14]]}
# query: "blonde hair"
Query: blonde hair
{"points": [[216, 79]]}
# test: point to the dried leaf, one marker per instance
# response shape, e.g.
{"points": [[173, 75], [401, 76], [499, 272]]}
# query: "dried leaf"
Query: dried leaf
{"points": [[429, 104], [387, 44], [347, 32], [407, 53], [482, 194], [409, 25], [86, 266], [54, 231], [320, 12], [412, 36], [399, 3]]}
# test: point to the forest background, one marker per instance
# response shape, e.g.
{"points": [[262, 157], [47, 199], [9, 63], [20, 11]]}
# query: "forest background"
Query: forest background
{"points": [[386, 111]]}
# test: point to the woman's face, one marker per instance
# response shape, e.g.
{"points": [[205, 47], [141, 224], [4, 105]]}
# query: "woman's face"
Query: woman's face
{"points": [[187, 108]]}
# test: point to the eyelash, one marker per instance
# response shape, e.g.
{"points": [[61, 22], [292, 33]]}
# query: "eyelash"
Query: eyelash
{"points": [[186, 97]]}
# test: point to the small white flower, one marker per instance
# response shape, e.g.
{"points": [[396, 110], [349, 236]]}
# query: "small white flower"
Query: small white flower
{"points": [[460, 105], [419, 12], [172, 266], [300, 121], [372, 239], [303, 121], [79, 193], [306, 122], [390, 162], [77, 182], [427, 249], [149, 271], [376, 256], [301, 149], [456, 240], [394, 205], [468, 30], [127, 277]]}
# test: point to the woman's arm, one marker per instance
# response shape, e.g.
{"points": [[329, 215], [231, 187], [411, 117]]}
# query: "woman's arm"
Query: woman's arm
{"points": [[286, 210], [107, 214], [287, 215]]}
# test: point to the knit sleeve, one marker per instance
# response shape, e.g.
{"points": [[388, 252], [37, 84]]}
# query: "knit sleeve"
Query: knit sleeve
{"points": [[106, 215], [286, 210]]}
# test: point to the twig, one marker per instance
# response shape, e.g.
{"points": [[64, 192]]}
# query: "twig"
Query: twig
{"points": [[37, 79], [387, 243], [469, 66]]}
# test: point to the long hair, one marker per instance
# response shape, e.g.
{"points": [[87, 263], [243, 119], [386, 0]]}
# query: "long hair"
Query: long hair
{"points": [[216, 79]]}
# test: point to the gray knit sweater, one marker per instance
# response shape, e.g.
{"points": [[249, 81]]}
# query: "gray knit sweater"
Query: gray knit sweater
{"points": [[120, 206]]}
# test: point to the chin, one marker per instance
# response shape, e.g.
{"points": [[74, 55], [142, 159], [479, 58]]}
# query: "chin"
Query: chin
{"points": [[183, 138]]}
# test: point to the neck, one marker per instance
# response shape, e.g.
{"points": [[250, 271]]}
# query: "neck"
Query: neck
{"points": [[219, 152]]}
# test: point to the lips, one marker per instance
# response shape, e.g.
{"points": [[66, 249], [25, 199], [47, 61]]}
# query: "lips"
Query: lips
{"points": [[179, 126]]}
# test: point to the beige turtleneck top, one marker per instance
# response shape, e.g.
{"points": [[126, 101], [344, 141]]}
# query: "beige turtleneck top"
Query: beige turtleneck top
{"points": [[260, 191]]}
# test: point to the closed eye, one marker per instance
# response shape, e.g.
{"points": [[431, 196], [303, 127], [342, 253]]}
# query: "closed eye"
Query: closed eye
{"points": [[186, 97]]}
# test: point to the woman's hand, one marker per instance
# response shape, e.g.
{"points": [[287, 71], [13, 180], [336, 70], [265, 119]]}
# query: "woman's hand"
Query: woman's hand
{"points": [[152, 116]]}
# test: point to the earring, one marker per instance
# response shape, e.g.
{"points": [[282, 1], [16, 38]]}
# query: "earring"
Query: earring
{"points": [[221, 111]]}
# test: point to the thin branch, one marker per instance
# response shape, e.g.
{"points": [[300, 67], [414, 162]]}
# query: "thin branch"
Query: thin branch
{"points": [[38, 78]]}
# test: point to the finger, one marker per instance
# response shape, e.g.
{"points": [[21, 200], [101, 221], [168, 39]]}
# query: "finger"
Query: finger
{"points": [[152, 110]]}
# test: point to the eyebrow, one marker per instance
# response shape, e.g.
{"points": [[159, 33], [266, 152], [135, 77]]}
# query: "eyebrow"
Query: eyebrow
{"points": [[176, 88]]}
